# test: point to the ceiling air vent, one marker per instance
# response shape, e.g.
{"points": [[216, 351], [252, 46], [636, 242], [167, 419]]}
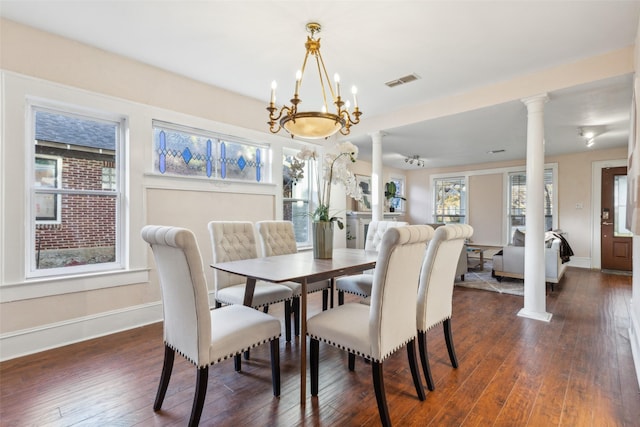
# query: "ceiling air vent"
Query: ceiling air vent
{"points": [[402, 80]]}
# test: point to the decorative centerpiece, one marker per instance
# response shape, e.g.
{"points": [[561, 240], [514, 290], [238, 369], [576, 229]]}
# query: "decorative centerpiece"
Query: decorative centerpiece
{"points": [[336, 170]]}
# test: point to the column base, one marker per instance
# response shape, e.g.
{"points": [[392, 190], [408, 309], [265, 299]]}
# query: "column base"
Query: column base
{"points": [[544, 316]]}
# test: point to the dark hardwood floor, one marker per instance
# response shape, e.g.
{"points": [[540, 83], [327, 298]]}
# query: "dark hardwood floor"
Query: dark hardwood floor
{"points": [[576, 370]]}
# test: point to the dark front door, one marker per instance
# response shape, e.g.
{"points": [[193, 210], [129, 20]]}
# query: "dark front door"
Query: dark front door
{"points": [[616, 239]]}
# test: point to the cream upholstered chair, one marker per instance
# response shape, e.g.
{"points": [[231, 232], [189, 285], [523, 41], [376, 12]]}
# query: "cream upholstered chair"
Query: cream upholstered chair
{"points": [[204, 337], [435, 293], [378, 330], [360, 284], [278, 238], [236, 240]]}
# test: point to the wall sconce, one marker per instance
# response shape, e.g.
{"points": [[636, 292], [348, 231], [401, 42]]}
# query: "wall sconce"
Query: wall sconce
{"points": [[414, 160]]}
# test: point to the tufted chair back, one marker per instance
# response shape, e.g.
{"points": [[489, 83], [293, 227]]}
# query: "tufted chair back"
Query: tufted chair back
{"points": [[231, 241], [395, 284], [185, 302], [376, 231], [435, 294], [277, 237]]}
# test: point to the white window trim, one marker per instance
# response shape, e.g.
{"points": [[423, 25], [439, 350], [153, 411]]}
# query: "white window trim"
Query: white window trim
{"points": [[403, 203], [507, 197], [465, 178], [121, 261]]}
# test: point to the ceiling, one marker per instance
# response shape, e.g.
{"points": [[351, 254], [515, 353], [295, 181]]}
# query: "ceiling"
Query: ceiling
{"points": [[453, 46]]}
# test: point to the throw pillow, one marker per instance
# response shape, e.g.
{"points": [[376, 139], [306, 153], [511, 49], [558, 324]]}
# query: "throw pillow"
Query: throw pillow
{"points": [[518, 238]]}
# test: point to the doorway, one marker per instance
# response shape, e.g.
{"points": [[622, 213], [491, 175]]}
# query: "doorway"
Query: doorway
{"points": [[616, 240]]}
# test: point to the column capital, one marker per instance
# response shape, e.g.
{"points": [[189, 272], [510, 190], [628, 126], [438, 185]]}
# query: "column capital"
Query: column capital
{"points": [[377, 135], [535, 99]]}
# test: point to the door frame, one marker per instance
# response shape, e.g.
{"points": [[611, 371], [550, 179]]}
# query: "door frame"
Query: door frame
{"points": [[596, 206]]}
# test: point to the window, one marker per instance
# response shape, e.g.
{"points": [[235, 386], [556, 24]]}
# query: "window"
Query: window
{"points": [[75, 196], [297, 191], [518, 200], [197, 153], [47, 175], [397, 203], [450, 200]]}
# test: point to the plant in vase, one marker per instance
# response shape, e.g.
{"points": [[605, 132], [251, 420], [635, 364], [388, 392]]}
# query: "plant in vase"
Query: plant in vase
{"points": [[336, 170], [391, 193]]}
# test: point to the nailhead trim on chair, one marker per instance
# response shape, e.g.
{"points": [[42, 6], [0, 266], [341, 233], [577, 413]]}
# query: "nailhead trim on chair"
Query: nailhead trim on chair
{"points": [[439, 322], [225, 357], [357, 353], [253, 306]]}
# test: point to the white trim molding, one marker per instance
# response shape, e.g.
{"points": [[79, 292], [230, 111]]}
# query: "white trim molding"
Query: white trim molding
{"points": [[46, 337], [634, 339]]}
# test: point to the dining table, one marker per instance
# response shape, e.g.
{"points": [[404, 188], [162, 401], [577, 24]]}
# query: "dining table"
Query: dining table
{"points": [[303, 268]]}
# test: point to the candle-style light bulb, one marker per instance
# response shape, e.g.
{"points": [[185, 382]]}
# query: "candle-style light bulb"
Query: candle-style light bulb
{"points": [[274, 85], [298, 79], [354, 92], [336, 78]]}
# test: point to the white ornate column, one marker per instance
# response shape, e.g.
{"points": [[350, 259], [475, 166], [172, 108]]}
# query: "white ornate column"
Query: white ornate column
{"points": [[377, 205], [534, 259]]}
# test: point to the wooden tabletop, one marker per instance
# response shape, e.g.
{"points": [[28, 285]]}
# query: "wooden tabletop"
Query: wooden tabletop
{"points": [[303, 268]]}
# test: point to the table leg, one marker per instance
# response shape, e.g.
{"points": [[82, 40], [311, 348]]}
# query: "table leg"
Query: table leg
{"points": [[249, 288], [481, 260], [303, 343]]}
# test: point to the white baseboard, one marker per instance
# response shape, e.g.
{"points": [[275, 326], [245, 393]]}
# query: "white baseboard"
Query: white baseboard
{"points": [[634, 338], [45, 337], [580, 262]]}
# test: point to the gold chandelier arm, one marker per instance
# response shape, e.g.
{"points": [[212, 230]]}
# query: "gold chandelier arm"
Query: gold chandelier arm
{"points": [[322, 70], [274, 126]]}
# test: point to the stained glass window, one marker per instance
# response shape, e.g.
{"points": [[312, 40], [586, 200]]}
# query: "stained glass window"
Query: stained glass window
{"points": [[198, 153]]}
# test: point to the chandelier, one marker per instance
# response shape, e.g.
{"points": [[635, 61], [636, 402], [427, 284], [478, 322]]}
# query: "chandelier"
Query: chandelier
{"points": [[314, 124]]}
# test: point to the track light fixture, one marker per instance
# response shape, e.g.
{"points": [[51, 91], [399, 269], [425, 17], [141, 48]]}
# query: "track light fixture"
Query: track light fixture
{"points": [[414, 160]]}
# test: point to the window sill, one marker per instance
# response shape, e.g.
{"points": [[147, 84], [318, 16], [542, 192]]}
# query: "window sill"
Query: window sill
{"points": [[41, 287]]}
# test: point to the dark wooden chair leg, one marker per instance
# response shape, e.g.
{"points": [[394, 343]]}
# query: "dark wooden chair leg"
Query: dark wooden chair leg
{"points": [[167, 367], [314, 364], [237, 362], [296, 315], [198, 399], [413, 364], [325, 299], [352, 362], [424, 358], [340, 297], [448, 336], [287, 320], [381, 398], [275, 366]]}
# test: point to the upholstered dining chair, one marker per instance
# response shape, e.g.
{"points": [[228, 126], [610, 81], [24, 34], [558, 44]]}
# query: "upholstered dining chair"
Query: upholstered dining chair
{"points": [[360, 284], [378, 330], [236, 240], [435, 292], [203, 336], [278, 238]]}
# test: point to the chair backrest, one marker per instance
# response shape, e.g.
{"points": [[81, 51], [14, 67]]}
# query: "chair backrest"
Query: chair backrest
{"points": [[376, 231], [231, 241], [185, 302], [276, 237], [435, 293], [392, 320]]}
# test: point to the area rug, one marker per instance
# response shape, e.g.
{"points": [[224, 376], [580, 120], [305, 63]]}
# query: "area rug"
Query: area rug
{"points": [[476, 279]]}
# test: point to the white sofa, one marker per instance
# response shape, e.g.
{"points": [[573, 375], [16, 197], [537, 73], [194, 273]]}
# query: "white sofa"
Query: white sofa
{"points": [[511, 262]]}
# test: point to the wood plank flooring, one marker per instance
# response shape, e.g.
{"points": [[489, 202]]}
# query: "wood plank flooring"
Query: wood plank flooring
{"points": [[576, 370]]}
